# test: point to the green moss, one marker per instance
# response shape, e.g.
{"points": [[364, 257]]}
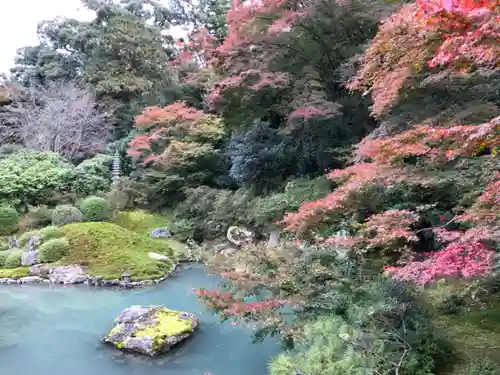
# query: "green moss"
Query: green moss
{"points": [[108, 250], [169, 324], [143, 222], [474, 335], [14, 273]]}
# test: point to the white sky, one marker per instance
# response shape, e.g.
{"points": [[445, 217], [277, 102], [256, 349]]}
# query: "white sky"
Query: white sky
{"points": [[19, 20]]}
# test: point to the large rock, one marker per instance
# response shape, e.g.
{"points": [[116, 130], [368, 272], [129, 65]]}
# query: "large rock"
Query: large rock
{"points": [[41, 270], [68, 275], [274, 239], [161, 233], [31, 280], [151, 330], [33, 243], [29, 258], [239, 236], [13, 242]]}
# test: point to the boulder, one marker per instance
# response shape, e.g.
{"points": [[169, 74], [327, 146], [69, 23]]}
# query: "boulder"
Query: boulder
{"points": [[33, 243], [239, 236], [12, 242], [29, 258], [39, 270], [161, 233], [68, 275], [274, 239], [160, 257], [151, 330], [31, 280]]}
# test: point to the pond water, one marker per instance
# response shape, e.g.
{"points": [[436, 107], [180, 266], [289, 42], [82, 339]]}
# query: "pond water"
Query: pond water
{"points": [[56, 331]]}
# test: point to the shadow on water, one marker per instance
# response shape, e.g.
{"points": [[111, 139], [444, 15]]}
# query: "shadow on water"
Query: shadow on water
{"points": [[57, 330]]}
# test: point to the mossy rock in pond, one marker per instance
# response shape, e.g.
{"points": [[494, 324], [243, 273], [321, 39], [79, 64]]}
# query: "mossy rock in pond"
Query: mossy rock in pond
{"points": [[108, 250], [151, 330]]}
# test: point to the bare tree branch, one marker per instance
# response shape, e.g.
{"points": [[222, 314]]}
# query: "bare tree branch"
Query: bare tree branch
{"points": [[64, 119]]}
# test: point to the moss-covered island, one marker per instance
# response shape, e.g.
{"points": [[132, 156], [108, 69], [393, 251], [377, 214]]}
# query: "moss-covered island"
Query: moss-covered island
{"points": [[151, 330], [104, 249]]}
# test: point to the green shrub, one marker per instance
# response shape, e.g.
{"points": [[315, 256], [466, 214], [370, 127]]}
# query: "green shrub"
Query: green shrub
{"points": [[37, 217], [9, 220], [13, 260], [483, 366], [207, 213], [126, 194], [53, 250], [66, 214], [49, 233], [95, 209], [32, 177], [92, 175], [9, 148], [3, 258]]}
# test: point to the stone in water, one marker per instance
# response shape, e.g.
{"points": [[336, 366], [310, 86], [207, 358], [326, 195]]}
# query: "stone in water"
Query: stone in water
{"points": [[151, 330]]}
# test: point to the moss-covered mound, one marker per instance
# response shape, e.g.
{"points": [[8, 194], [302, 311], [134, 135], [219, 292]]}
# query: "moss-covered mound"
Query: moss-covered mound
{"points": [[151, 330], [144, 223], [141, 222], [108, 250], [14, 273]]}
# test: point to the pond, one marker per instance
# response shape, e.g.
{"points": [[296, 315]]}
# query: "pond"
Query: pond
{"points": [[56, 330]]}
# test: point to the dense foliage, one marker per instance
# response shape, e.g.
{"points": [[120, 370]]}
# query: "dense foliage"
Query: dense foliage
{"points": [[366, 133], [9, 220]]}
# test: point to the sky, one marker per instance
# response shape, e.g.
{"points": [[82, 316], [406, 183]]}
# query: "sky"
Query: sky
{"points": [[19, 20]]}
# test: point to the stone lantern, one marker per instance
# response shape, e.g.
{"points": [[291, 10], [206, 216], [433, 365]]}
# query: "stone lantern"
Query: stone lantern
{"points": [[126, 277]]}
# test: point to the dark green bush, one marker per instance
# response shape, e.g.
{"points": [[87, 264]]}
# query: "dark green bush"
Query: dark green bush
{"points": [[95, 209], [126, 194], [452, 304], [37, 217], [53, 250], [13, 260], [92, 175], [66, 214], [483, 366], [9, 220], [207, 213]]}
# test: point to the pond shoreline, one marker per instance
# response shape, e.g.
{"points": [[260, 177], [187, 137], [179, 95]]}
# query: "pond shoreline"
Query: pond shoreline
{"points": [[93, 281]]}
